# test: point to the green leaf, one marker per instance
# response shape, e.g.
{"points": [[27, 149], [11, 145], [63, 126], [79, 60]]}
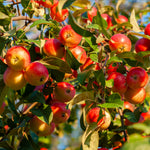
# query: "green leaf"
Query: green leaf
{"points": [[56, 63], [57, 75], [83, 76], [68, 3], [129, 55], [100, 77], [41, 21], [92, 42], [139, 34], [134, 23], [94, 57], [3, 16], [113, 101], [130, 116], [109, 83], [44, 113], [114, 59], [102, 23], [5, 144], [88, 95], [77, 28], [25, 3], [93, 26], [35, 96], [72, 61]]}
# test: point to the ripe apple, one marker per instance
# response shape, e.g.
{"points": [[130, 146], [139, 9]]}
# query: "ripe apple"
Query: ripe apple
{"points": [[69, 37], [102, 148], [137, 77], [108, 20], [135, 96], [37, 49], [43, 148], [60, 113], [64, 91], [58, 16], [120, 85], [14, 79], [147, 29], [121, 19], [79, 53], [142, 45], [53, 47], [128, 105], [40, 127], [89, 62], [91, 13], [93, 115], [36, 74], [146, 115], [2, 108], [112, 68], [18, 58], [120, 43]]}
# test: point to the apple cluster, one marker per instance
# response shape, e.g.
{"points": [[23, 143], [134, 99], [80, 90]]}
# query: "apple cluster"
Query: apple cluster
{"points": [[21, 70], [143, 43]]}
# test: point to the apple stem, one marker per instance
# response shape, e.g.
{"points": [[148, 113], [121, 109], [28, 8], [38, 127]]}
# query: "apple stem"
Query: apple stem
{"points": [[122, 123], [29, 108]]}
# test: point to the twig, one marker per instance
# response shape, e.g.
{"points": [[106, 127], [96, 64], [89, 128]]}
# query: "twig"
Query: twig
{"points": [[18, 8], [29, 108], [23, 18], [122, 123]]}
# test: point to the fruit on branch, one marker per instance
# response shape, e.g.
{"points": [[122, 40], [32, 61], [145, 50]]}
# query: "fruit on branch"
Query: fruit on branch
{"points": [[108, 20], [43, 148], [40, 127], [69, 37], [121, 19], [2, 108], [60, 113], [64, 91], [58, 16], [128, 105], [147, 29], [135, 96], [142, 45], [101, 117], [120, 43], [120, 85], [89, 62], [18, 58], [91, 13], [37, 49], [14, 79], [137, 77], [146, 115], [79, 53], [36, 74], [112, 68], [53, 47]]}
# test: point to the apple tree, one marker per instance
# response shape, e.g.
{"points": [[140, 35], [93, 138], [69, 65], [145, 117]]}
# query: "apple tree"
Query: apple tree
{"points": [[74, 67]]}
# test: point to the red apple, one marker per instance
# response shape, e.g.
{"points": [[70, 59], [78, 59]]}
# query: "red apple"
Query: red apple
{"points": [[142, 45], [102, 148], [69, 37], [89, 62], [64, 91], [121, 19], [37, 49], [94, 114], [40, 127], [112, 68], [91, 13], [14, 79], [58, 16], [120, 43], [128, 105], [120, 85], [146, 115], [137, 77], [36, 74], [18, 58], [147, 29], [135, 96], [2, 108], [53, 47], [43, 148], [60, 113], [79, 53], [108, 20]]}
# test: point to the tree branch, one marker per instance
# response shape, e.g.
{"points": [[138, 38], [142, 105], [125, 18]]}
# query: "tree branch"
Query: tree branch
{"points": [[23, 18]]}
